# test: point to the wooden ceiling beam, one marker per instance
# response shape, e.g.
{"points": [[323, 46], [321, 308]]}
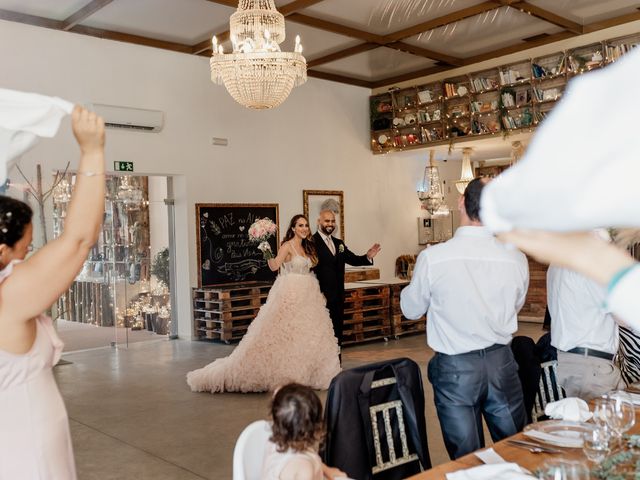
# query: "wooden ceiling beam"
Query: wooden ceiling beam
{"points": [[296, 6], [518, 47], [425, 52], [226, 3], [30, 19], [444, 20], [340, 29], [411, 75], [548, 16], [612, 22], [82, 14], [129, 38], [347, 52], [339, 78]]}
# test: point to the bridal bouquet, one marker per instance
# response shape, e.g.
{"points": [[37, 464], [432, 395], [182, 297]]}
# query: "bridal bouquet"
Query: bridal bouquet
{"points": [[259, 232]]}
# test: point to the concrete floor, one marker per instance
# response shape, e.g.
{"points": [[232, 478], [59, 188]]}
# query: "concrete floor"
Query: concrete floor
{"points": [[132, 414]]}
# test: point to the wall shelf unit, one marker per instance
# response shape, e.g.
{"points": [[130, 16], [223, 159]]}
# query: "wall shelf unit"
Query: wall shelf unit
{"points": [[497, 101]]}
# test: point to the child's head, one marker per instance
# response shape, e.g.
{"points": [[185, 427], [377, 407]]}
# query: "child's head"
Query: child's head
{"points": [[297, 418]]}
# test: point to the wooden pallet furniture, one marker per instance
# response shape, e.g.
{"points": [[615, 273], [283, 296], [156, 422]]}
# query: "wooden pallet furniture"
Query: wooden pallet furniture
{"points": [[366, 313], [401, 325], [358, 274], [536, 300], [225, 312]]}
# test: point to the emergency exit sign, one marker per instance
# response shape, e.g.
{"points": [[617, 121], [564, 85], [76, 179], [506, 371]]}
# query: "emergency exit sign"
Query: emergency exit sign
{"points": [[123, 166]]}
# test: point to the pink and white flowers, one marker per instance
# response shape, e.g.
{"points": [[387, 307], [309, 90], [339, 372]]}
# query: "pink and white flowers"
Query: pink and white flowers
{"points": [[259, 232]]}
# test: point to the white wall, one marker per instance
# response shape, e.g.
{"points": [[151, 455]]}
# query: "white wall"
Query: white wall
{"points": [[318, 139]]}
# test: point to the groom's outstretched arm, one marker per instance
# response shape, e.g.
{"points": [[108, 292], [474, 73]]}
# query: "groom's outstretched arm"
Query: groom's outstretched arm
{"points": [[352, 259]]}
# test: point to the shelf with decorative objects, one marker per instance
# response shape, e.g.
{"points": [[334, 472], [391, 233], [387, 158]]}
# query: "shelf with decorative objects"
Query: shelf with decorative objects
{"points": [[505, 99]]}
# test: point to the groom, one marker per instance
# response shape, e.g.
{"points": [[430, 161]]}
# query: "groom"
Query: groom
{"points": [[332, 255]]}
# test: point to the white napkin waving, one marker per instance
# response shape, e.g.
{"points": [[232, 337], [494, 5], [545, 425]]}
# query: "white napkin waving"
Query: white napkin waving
{"points": [[584, 156], [495, 471], [571, 409], [23, 118]]}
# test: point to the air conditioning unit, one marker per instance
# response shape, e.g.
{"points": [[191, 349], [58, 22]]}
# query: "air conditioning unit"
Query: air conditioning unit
{"points": [[129, 118]]}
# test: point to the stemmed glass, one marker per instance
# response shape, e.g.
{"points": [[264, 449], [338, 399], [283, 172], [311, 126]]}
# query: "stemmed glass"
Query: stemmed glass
{"points": [[623, 415], [603, 412], [596, 444], [564, 470]]}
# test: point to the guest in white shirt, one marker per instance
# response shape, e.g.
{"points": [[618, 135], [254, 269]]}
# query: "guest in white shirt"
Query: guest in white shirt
{"points": [[584, 332], [471, 288]]}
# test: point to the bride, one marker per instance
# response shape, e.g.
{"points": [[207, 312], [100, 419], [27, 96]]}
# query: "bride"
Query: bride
{"points": [[291, 339]]}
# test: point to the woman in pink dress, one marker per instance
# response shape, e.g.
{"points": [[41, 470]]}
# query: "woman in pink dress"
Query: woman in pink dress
{"points": [[291, 339], [34, 430]]}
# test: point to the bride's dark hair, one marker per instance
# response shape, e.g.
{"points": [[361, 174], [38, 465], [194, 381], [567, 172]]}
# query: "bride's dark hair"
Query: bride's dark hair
{"points": [[307, 243]]}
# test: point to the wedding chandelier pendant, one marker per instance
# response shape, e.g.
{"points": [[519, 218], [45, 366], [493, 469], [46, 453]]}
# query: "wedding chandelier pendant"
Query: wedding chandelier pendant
{"points": [[466, 174], [257, 74], [431, 195]]}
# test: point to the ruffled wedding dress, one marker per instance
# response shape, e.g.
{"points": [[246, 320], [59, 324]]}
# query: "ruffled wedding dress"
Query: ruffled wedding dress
{"points": [[291, 340]]}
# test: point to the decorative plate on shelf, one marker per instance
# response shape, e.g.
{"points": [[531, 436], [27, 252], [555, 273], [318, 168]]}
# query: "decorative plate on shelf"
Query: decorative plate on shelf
{"points": [[382, 139], [558, 433]]}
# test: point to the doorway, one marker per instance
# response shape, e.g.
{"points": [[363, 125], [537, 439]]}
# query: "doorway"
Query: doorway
{"points": [[123, 293]]}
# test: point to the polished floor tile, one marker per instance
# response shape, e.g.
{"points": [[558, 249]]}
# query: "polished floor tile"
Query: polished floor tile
{"points": [[133, 416]]}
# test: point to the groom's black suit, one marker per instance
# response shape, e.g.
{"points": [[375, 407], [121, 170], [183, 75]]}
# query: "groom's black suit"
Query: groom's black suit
{"points": [[330, 274]]}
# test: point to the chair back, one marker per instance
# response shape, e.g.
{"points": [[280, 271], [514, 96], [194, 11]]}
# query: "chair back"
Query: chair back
{"points": [[375, 422], [248, 453]]}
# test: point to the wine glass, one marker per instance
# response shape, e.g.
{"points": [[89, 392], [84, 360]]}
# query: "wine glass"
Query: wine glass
{"points": [[603, 412], [595, 444], [624, 415], [564, 470]]}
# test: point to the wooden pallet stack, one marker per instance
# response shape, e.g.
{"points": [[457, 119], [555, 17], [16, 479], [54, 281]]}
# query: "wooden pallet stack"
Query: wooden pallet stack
{"points": [[366, 312], [401, 325], [225, 312], [536, 301]]}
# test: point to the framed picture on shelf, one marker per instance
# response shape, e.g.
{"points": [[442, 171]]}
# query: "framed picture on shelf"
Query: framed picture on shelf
{"points": [[225, 253], [521, 97], [314, 201]]}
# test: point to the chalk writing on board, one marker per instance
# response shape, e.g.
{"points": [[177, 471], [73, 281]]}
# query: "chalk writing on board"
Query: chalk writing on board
{"points": [[225, 254]]}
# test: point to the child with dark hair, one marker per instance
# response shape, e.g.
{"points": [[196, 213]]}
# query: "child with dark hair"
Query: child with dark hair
{"points": [[298, 432]]}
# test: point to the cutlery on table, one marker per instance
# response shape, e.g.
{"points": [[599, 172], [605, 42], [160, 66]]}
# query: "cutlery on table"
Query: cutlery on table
{"points": [[532, 447]]}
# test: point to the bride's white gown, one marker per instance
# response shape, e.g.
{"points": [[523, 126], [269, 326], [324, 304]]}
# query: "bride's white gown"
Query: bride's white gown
{"points": [[291, 340]]}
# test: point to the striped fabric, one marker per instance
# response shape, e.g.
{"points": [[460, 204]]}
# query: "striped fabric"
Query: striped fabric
{"points": [[629, 355], [548, 390]]}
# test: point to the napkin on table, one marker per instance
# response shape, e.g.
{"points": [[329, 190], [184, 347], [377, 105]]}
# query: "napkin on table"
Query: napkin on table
{"points": [[571, 409], [495, 471]]}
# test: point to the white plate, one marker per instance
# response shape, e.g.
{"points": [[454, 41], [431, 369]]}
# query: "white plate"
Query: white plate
{"points": [[382, 139], [558, 433]]}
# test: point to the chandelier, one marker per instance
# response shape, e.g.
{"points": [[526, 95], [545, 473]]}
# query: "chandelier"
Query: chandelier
{"points": [[130, 195], [257, 74], [466, 175], [430, 194]]}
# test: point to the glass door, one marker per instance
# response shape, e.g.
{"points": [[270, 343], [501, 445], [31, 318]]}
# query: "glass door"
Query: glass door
{"points": [[122, 294]]}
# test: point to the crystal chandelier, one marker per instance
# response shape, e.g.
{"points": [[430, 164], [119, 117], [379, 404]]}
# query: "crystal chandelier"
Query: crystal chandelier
{"points": [[466, 175], [130, 195], [430, 194], [257, 74]]}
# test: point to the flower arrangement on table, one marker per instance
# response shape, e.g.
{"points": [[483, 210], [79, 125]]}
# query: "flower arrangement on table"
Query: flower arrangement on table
{"points": [[260, 232]]}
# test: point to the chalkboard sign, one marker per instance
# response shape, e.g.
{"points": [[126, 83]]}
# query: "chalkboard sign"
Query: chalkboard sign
{"points": [[225, 253]]}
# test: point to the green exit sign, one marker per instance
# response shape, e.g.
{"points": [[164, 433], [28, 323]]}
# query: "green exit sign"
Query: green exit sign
{"points": [[123, 166]]}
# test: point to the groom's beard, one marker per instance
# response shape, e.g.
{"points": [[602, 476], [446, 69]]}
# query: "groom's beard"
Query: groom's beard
{"points": [[327, 230]]}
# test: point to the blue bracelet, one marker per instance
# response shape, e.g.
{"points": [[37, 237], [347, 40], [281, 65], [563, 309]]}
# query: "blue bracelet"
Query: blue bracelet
{"points": [[618, 276]]}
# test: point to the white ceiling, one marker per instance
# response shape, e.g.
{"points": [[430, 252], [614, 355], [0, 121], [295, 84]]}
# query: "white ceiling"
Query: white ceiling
{"points": [[469, 28]]}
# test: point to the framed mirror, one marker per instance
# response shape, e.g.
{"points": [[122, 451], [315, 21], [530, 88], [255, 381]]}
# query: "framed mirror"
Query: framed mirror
{"points": [[314, 201]]}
